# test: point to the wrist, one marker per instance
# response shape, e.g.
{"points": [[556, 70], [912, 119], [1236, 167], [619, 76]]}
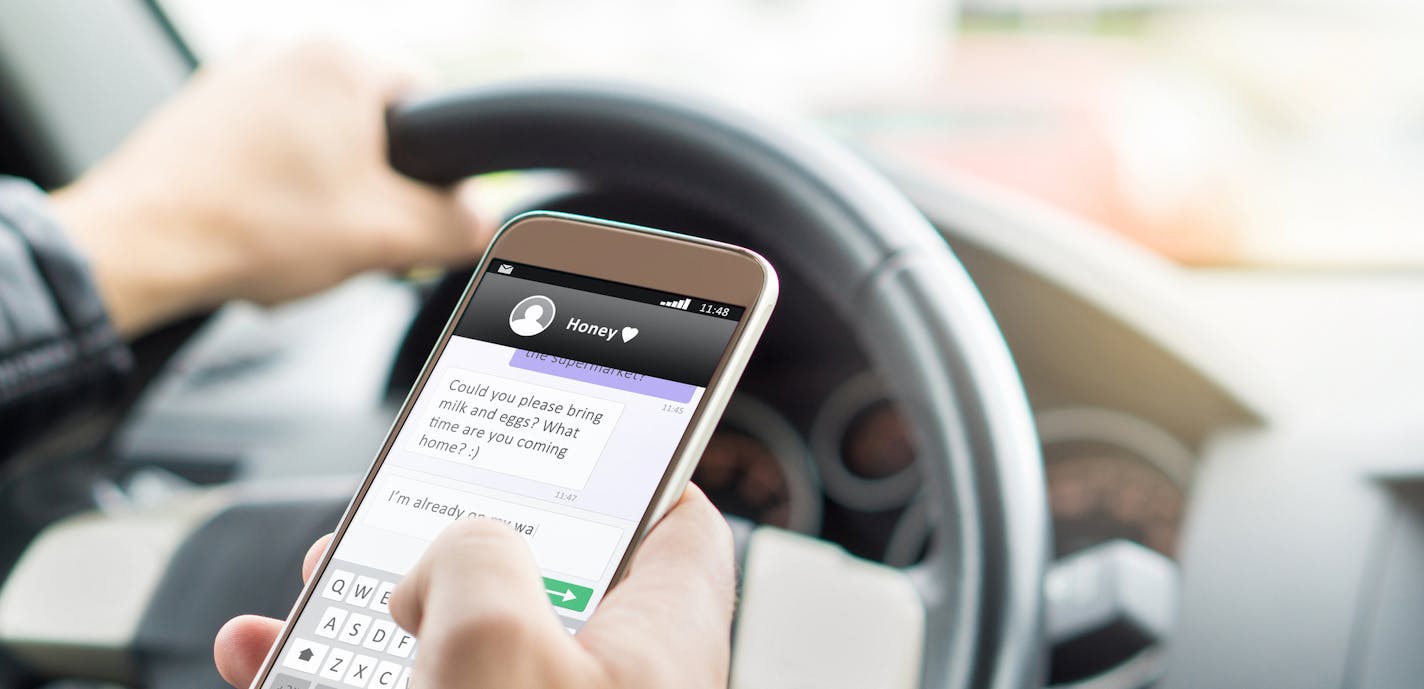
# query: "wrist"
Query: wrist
{"points": [[143, 274]]}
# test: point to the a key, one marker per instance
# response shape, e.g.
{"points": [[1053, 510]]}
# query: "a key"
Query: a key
{"points": [[362, 591], [305, 656], [336, 664], [281, 681], [357, 625], [338, 586], [381, 602], [330, 624], [386, 675], [402, 643], [380, 635], [362, 668]]}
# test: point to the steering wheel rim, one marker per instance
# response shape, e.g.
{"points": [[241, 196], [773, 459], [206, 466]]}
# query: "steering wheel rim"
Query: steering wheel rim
{"points": [[875, 259]]}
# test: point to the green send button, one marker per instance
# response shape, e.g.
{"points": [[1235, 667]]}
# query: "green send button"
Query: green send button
{"points": [[565, 595]]}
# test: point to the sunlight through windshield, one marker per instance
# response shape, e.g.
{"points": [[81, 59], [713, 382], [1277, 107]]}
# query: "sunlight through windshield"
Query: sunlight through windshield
{"points": [[1281, 134]]}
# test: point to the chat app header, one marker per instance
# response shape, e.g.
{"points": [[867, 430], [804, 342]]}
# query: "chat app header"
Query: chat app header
{"points": [[568, 318]]}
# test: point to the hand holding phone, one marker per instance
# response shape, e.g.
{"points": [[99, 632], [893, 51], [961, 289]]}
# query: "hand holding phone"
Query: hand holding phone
{"points": [[666, 624], [565, 407], [668, 618]]}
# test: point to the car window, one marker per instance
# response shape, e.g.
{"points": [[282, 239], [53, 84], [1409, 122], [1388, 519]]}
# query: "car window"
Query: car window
{"points": [[1279, 134]]}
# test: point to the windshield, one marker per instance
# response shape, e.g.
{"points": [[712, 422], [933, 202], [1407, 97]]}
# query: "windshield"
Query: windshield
{"points": [[1279, 134]]}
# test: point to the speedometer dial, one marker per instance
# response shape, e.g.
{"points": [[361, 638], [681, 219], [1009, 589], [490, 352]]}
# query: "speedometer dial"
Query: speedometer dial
{"points": [[756, 466], [1097, 497], [1112, 476], [741, 475], [862, 445]]}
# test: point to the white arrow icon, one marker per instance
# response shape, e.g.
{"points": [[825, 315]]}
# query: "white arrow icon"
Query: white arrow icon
{"points": [[567, 594]]}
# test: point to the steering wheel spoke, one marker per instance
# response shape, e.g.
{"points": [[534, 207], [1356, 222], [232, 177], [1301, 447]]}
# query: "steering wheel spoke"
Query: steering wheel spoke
{"points": [[813, 615]]}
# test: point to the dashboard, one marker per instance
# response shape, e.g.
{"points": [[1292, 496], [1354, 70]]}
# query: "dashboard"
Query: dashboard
{"points": [[841, 465]]}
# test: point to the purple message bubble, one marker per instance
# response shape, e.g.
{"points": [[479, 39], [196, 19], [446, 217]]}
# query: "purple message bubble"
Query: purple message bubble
{"points": [[602, 375]]}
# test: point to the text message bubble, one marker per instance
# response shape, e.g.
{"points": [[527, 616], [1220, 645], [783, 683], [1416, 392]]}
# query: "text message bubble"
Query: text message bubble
{"points": [[422, 510], [525, 430]]}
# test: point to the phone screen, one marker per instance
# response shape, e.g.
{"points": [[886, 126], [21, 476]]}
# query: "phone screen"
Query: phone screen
{"points": [[555, 408]]}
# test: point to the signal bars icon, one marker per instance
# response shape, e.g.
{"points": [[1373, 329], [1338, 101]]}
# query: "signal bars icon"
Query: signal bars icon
{"points": [[683, 303]]}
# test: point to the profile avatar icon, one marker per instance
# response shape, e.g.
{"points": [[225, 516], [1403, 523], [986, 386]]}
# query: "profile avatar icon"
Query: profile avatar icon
{"points": [[532, 315]]}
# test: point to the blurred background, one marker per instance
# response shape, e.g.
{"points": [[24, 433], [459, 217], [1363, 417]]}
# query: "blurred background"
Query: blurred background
{"points": [[1229, 420], [1283, 134]]}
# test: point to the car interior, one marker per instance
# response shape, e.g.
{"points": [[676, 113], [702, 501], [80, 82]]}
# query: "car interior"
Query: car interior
{"points": [[988, 438]]}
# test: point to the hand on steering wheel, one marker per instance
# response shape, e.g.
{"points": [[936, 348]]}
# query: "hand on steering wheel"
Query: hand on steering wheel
{"points": [[482, 617], [265, 179]]}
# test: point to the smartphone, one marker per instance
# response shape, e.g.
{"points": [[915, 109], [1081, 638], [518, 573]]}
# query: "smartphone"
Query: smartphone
{"points": [[569, 397]]}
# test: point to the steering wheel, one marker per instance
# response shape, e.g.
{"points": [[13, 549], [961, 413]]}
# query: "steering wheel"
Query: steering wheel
{"points": [[85, 602], [971, 613]]}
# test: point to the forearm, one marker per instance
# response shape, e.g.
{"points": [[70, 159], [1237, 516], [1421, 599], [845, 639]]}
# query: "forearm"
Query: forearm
{"points": [[59, 356]]}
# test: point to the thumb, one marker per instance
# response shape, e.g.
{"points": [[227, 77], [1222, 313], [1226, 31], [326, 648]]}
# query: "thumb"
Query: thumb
{"points": [[476, 603]]}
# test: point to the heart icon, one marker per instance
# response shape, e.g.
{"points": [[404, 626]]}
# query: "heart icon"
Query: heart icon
{"points": [[629, 332]]}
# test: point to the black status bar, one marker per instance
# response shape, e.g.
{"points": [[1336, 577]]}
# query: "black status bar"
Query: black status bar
{"points": [[690, 304]]}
